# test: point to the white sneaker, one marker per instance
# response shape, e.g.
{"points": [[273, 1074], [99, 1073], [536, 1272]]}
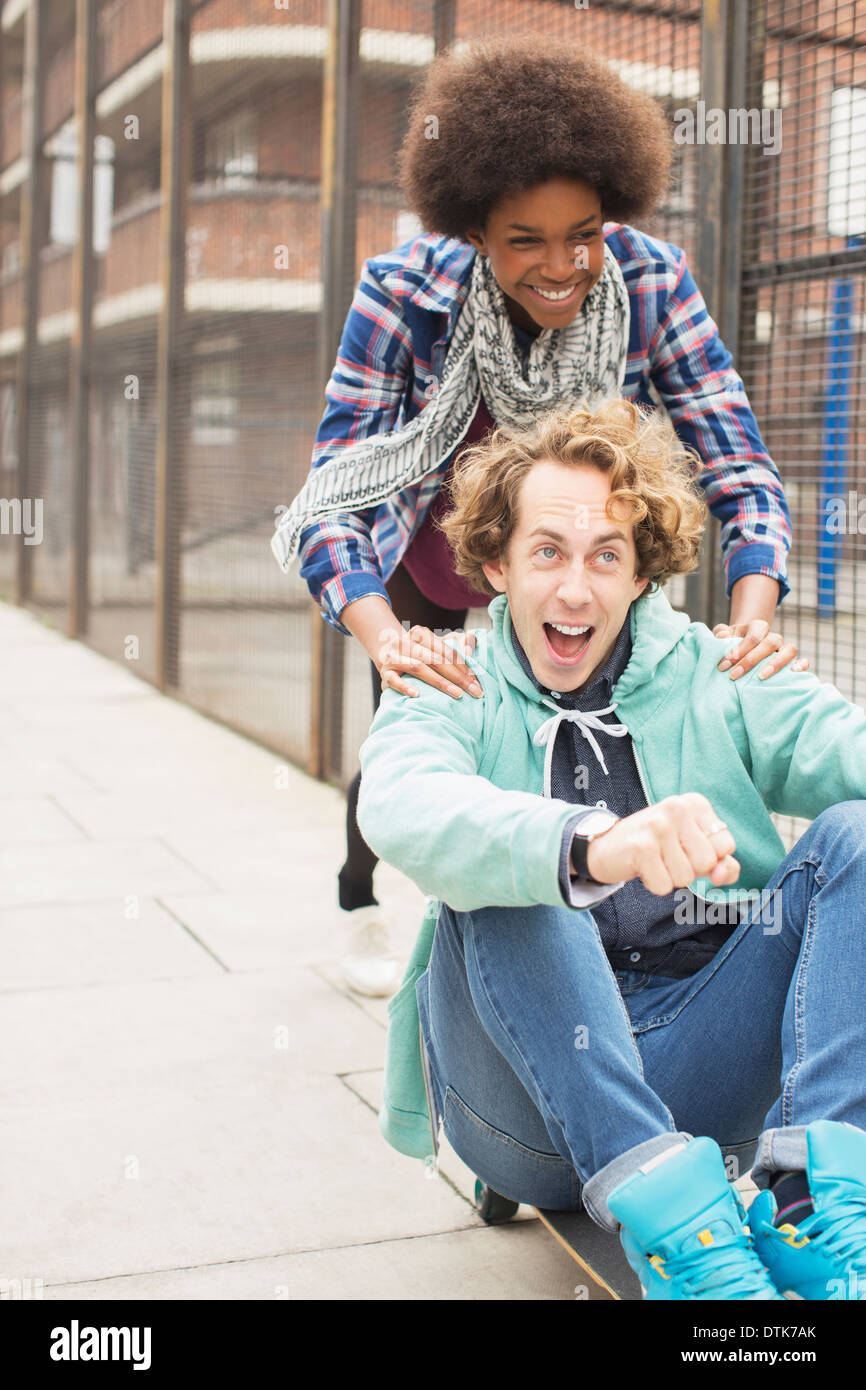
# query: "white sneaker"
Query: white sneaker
{"points": [[369, 965]]}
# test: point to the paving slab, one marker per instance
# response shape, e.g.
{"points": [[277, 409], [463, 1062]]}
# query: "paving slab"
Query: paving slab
{"points": [[38, 771], [212, 1170], [200, 1120], [290, 858], [274, 928], [518, 1261], [34, 819], [57, 672], [450, 1167], [102, 1041], [189, 1090], [57, 945], [56, 871], [255, 808]]}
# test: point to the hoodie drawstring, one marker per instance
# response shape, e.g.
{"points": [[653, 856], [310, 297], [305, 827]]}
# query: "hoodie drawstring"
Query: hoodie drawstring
{"points": [[586, 720]]}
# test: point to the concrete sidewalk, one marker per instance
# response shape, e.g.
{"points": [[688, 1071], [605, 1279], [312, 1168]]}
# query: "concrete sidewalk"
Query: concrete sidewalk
{"points": [[190, 1093]]}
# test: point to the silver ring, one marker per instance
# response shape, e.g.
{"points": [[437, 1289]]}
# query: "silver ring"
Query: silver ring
{"points": [[716, 825]]}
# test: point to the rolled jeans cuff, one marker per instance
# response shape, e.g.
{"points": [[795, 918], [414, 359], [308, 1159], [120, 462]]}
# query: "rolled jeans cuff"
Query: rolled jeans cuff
{"points": [[778, 1150], [599, 1187]]}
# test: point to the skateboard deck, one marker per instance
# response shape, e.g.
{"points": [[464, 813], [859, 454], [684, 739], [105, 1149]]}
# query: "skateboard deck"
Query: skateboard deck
{"points": [[603, 1272]]}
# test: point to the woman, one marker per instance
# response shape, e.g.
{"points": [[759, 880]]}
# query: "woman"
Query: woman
{"points": [[526, 161]]}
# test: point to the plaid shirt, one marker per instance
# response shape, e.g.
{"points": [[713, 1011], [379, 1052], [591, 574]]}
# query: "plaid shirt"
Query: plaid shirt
{"points": [[391, 354]]}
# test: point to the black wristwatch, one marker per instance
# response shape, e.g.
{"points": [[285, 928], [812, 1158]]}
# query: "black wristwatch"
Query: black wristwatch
{"points": [[590, 827]]}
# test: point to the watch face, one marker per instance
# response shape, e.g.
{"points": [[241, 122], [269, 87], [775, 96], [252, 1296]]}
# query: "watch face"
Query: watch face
{"points": [[590, 825]]}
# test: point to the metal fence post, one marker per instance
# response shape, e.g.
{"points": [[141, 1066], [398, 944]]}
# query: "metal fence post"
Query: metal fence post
{"points": [[734, 213], [340, 107], [720, 183], [175, 161], [82, 304], [31, 225], [2, 375], [444, 23]]}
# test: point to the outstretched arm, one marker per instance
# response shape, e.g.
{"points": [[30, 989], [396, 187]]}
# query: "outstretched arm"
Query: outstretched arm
{"points": [[424, 807]]}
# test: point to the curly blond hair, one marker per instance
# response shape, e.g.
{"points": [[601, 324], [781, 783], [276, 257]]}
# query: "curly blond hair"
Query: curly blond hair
{"points": [[652, 475]]}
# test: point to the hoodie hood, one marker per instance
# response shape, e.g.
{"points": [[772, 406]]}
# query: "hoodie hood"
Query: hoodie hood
{"points": [[656, 628]]}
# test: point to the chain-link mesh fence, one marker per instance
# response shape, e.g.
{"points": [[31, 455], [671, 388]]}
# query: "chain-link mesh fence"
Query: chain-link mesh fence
{"points": [[211, 314]]}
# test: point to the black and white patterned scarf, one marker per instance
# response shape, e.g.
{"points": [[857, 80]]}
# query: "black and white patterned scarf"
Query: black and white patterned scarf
{"points": [[584, 361]]}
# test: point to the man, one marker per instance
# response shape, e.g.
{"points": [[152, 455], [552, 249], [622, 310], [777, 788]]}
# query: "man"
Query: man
{"points": [[610, 995]]}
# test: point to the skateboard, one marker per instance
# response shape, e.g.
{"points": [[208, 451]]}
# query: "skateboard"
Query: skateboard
{"points": [[606, 1272]]}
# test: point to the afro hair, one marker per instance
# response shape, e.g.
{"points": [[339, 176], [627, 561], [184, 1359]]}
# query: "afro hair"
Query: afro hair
{"points": [[512, 112]]}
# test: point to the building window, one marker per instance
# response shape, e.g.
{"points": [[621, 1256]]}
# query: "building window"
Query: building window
{"points": [[64, 186], [846, 185], [62, 150], [407, 226], [11, 263], [230, 148], [8, 438], [215, 391]]}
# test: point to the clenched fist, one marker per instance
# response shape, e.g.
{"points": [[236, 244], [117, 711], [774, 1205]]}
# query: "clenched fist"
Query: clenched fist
{"points": [[666, 846]]}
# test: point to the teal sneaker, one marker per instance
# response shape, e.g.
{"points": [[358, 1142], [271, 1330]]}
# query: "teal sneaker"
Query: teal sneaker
{"points": [[683, 1229], [824, 1256]]}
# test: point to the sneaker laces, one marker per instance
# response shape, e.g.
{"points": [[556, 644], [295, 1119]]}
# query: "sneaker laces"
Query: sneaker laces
{"points": [[733, 1266], [840, 1233]]}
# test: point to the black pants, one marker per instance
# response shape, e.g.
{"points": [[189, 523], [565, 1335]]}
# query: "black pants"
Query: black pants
{"points": [[409, 605]]}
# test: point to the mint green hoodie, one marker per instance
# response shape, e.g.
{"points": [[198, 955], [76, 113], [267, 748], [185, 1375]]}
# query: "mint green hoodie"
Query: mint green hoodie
{"points": [[451, 790]]}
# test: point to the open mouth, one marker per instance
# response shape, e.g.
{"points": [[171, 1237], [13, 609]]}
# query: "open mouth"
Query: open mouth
{"points": [[554, 299], [567, 648]]}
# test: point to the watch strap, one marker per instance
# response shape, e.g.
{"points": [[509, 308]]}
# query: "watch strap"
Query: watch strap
{"points": [[590, 826]]}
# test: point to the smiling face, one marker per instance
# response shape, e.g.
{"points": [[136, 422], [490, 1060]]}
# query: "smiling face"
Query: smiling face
{"points": [[569, 565], [549, 238]]}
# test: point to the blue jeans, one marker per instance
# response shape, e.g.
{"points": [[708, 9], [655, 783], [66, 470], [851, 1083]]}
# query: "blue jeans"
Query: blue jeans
{"points": [[556, 1077]]}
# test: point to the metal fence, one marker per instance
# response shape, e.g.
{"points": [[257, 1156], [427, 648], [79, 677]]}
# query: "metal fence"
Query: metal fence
{"points": [[188, 193]]}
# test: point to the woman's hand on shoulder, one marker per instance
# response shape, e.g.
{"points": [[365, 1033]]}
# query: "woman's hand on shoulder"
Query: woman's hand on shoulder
{"points": [[758, 643], [419, 652]]}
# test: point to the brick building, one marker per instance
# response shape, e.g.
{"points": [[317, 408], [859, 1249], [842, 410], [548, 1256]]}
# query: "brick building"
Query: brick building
{"points": [[247, 393]]}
